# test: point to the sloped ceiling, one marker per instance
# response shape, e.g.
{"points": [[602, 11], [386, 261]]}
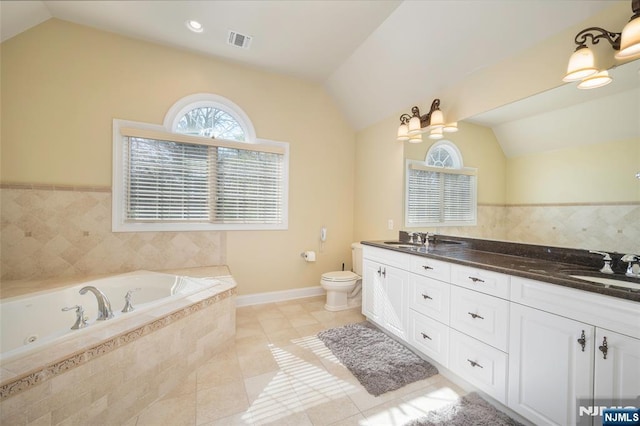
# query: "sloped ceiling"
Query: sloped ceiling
{"points": [[374, 57]]}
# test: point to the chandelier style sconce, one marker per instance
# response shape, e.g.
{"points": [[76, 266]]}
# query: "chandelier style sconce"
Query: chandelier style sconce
{"points": [[582, 63], [413, 126]]}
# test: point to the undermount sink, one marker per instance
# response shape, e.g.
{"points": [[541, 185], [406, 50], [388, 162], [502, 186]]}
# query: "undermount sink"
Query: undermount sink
{"points": [[608, 282]]}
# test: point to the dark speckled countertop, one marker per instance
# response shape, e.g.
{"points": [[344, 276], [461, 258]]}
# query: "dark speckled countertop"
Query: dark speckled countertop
{"points": [[548, 264]]}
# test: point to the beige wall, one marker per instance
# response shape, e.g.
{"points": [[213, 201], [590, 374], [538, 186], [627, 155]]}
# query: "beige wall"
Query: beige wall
{"points": [[62, 84], [601, 173]]}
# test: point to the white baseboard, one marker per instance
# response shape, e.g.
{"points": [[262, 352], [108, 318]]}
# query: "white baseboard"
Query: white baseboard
{"points": [[278, 296]]}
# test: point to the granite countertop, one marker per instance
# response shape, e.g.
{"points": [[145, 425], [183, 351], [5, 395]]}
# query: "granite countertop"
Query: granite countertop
{"points": [[548, 264]]}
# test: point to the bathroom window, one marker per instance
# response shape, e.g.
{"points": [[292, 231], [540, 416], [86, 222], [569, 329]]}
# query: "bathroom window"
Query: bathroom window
{"points": [[439, 191], [208, 172]]}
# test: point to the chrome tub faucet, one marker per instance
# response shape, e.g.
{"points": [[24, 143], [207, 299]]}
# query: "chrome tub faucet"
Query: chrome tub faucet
{"points": [[633, 268], [104, 306]]}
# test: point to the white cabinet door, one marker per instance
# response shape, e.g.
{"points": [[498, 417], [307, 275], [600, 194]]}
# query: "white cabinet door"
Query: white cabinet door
{"points": [[372, 291], [617, 377], [395, 283], [548, 369]]}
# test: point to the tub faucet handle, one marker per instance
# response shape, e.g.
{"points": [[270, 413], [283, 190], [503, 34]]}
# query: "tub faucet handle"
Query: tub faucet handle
{"points": [[606, 269], [81, 321], [633, 268], [128, 307]]}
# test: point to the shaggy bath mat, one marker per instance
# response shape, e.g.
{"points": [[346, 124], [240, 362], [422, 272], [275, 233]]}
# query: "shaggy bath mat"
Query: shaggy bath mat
{"points": [[470, 410], [378, 362]]}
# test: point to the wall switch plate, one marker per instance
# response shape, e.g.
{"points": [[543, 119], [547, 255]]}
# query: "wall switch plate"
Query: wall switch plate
{"points": [[390, 224]]}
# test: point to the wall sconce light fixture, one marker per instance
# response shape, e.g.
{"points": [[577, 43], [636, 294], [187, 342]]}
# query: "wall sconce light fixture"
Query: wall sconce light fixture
{"points": [[413, 126], [582, 64]]}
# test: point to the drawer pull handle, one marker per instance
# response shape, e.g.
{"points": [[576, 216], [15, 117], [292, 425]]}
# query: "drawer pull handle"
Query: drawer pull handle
{"points": [[474, 364], [604, 348], [424, 336], [476, 280], [379, 270], [384, 272], [582, 340], [425, 297], [474, 316], [427, 267]]}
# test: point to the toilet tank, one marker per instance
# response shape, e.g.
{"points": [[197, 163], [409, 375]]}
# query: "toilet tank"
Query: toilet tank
{"points": [[356, 258]]}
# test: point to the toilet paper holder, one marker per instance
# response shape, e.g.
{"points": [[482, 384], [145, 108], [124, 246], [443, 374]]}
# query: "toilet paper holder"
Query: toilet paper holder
{"points": [[308, 256]]}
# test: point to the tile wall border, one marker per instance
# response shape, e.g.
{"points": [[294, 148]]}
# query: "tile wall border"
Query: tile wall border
{"points": [[16, 385]]}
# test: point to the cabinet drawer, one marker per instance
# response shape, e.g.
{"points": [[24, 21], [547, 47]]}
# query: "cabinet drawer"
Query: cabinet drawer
{"points": [[489, 282], [429, 336], [429, 297], [387, 257], [430, 268], [481, 316], [479, 364]]}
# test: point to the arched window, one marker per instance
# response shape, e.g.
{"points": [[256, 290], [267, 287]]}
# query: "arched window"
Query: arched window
{"points": [[439, 191], [203, 169], [444, 154]]}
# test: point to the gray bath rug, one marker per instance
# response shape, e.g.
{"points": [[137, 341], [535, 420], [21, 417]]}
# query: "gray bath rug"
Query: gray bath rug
{"points": [[470, 410], [378, 362]]}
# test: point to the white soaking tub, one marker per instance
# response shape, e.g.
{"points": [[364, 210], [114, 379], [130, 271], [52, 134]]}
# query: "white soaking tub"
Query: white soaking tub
{"points": [[35, 320]]}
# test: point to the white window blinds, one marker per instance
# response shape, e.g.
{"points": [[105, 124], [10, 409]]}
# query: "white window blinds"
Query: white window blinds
{"points": [[179, 179], [438, 197]]}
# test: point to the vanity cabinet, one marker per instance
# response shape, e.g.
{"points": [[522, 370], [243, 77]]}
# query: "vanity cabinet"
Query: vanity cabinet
{"points": [[548, 369], [384, 289], [556, 351], [618, 374], [534, 346]]}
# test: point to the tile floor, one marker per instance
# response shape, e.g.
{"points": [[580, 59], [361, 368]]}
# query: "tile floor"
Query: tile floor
{"points": [[278, 372]]}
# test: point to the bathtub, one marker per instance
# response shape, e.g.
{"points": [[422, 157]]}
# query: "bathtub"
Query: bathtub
{"points": [[117, 366], [33, 321]]}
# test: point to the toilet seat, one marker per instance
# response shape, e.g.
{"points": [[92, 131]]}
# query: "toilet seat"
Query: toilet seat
{"points": [[340, 276]]}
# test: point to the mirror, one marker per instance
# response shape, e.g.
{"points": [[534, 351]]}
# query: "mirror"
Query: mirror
{"points": [[558, 168]]}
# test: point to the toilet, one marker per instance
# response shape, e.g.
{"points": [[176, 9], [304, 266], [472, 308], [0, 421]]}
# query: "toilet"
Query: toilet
{"points": [[343, 287]]}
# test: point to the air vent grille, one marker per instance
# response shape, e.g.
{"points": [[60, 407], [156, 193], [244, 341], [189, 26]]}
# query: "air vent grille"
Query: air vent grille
{"points": [[239, 40]]}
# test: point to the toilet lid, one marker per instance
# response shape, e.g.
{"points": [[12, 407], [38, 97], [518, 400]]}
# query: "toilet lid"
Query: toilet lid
{"points": [[340, 276]]}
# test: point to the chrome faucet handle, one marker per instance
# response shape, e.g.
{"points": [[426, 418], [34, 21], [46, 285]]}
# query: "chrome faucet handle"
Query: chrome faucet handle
{"points": [[633, 266], [128, 307], [606, 269], [81, 321]]}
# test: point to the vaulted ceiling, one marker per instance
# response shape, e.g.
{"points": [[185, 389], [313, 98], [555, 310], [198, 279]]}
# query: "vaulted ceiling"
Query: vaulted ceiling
{"points": [[374, 57]]}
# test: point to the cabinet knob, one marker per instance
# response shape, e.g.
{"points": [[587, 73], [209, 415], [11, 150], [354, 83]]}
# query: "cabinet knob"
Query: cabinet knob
{"points": [[426, 296], [474, 316], [474, 364], [604, 348], [476, 280], [424, 336], [582, 340]]}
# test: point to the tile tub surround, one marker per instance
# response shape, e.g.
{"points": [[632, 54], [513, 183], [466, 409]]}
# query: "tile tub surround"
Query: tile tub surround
{"points": [[112, 376], [65, 231]]}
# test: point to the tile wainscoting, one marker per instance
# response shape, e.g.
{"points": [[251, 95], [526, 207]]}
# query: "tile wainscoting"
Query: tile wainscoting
{"points": [[62, 231]]}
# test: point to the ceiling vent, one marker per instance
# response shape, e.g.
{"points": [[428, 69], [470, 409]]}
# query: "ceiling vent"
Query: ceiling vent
{"points": [[239, 40]]}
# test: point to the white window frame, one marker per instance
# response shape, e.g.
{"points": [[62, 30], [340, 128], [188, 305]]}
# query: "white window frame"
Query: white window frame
{"points": [[119, 222], [422, 165]]}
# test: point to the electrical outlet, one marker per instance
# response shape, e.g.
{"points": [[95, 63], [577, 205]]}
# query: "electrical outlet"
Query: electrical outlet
{"points": [[390, 224]]}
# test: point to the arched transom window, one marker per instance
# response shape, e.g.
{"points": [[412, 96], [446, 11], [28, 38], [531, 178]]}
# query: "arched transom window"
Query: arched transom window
{"points": [[210, 122]]}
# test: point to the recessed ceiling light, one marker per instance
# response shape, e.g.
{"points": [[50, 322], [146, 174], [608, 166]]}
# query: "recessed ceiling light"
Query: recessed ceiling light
{"points": [[194, 26]]}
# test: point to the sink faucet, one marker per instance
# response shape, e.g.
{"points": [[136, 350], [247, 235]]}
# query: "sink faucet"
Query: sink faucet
{"points": [[633, 269], [104, 306], [606, 269]]}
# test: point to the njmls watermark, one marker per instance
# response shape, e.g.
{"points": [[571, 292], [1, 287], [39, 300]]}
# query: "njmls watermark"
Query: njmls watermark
{"points": [[599, 412]]}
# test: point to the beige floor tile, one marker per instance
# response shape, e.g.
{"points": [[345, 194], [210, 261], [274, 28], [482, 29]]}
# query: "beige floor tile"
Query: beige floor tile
{"points": [[249, 344], [271, 397], [332, 411], [299, 418], [301, 320], [283, 337], [220, 401], [275, 324], [394, 412], [257, 362], [181, 410], [292, 308], [220, 370], [311, 329], [239, 419], [249, 330], [357, 420]]}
